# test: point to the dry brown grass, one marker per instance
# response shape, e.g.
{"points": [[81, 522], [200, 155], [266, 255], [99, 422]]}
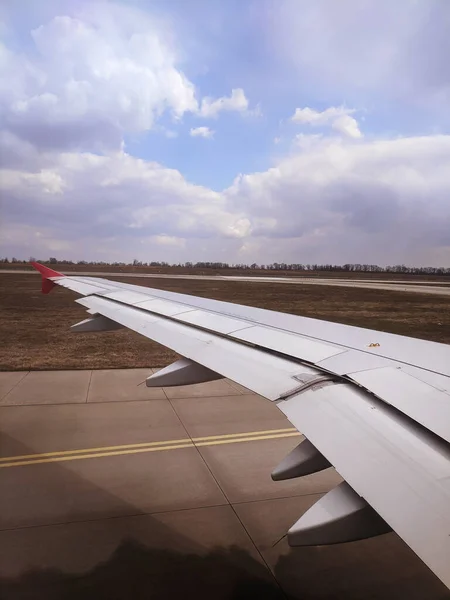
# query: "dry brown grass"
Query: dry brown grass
{"points": [[34, 327]]}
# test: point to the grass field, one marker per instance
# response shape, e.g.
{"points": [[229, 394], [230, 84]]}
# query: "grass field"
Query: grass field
{"points": [[34, 327]]}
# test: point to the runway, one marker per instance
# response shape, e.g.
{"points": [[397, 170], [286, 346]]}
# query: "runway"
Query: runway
{"points": [[109, 489], [412, 287]]}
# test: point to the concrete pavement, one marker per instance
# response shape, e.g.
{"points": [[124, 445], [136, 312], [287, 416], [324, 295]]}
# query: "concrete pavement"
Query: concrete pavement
{"points": [[109, 489]]}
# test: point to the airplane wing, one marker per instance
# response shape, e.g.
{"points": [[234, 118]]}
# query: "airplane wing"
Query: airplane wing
{"points": [[374, 405]]}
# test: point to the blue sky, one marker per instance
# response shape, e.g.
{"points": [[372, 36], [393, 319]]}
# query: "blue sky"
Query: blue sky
{"points": [[252, 130]]}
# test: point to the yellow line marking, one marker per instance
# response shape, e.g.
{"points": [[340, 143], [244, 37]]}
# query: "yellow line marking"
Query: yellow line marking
{"points": [[96, 455], [157, 446], [85, 450], [249, 439], [245, 433], [142, 445]]}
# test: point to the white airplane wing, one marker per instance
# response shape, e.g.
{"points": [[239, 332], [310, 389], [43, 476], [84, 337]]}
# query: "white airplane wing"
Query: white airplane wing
{"points": [[374, 405]]}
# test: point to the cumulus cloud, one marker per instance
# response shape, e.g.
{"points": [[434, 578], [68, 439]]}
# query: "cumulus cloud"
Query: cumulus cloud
{"points": [[204, 132], [116, 196], [236, 102], [347, 126], [67, 185], [93, 77], [336, 117], [379, 201]]}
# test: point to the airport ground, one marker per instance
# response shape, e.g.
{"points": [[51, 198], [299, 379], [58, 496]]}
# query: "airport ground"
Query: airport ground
{"points": [[230, 271], [34, 328], [113, 490], [109, 489]]}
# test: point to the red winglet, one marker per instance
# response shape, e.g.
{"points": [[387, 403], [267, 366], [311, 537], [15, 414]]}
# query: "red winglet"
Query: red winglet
{"points": [[46, 272]]}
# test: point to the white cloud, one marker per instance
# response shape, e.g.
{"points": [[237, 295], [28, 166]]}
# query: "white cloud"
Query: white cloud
{"points": [[94, 77], [306, 141], [330, 200], [210, 108], [378, 201], [67, 184], [115, 197], [311, 116], [91, 78], [169, 240], [204, 132], [396, 51], [347, 125], [337, 117]]}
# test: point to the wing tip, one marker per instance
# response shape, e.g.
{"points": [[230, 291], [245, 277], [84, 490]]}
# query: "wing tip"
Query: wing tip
{"points": [[46, 272]]}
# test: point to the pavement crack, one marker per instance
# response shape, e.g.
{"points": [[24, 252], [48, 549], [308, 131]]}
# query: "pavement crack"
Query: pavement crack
{"points": [[14, 387], [89, 387]]}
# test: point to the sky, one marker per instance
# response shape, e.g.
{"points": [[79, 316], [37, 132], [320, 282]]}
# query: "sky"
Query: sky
{"points": [[304, 131]]}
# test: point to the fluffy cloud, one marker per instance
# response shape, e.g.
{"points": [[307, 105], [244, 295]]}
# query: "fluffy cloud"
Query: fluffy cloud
{"points": [[85, 80], [94, 77], [374, 201], [347, 126], [329, 200], [115, 197], [204, 132], [337, 117], [91, 80], [236, 102]]}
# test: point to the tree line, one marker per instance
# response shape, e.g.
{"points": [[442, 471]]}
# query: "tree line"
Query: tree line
{"points": [[348, 267]]}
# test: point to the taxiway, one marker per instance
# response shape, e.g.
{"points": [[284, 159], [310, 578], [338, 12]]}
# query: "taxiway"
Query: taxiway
{"points": [[111, 489], [412, 287]]}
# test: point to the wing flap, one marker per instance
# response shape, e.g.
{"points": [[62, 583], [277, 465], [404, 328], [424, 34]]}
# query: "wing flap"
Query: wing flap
{"points": [[395, 465]]}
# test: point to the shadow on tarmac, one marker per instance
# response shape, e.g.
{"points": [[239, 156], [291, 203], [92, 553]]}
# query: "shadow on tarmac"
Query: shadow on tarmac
{"points": [[135, 571], [115, 551], [107, 549]]}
